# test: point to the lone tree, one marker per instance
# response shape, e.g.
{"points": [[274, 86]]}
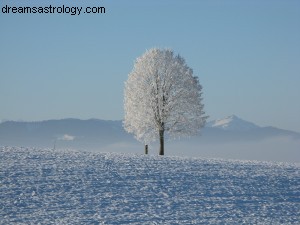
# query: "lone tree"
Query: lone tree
{"points": [[162, 96]]}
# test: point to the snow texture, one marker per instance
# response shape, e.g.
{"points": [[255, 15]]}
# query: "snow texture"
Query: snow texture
{"points": [[161, 94], [43, 186]]}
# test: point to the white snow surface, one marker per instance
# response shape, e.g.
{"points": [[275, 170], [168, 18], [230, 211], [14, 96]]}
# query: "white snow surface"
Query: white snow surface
{"points": [[44, 186]]}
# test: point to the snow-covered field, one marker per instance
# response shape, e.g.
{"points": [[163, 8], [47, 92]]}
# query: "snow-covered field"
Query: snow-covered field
{"points": [[43, 186]]}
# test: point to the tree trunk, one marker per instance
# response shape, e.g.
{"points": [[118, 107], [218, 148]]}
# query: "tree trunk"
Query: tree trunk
{"points": [[161, 141]]}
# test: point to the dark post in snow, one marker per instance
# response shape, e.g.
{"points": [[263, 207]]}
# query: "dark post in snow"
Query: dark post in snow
{"points": [[146, 149], [161, 141]]}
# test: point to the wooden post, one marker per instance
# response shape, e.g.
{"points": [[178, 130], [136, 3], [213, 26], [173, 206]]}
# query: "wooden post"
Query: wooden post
{"points": [[146, 149], [162, 143]]}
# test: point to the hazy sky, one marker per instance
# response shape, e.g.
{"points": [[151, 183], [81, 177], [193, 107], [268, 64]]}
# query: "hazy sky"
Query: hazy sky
{"points": [[246, 54]]}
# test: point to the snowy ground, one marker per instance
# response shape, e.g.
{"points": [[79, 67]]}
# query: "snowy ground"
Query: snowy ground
{"points": [[70, 187]]}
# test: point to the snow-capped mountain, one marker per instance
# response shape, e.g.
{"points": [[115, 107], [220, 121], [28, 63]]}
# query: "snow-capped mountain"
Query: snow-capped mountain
{"points": [[232, 123]]}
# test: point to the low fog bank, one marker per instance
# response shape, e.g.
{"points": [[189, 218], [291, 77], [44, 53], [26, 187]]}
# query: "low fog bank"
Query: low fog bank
{"points": [[280, 149], [259, 143]]}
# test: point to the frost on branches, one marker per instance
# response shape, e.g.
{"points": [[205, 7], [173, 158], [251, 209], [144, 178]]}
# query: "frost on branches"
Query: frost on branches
{"points": [[162, 96]]}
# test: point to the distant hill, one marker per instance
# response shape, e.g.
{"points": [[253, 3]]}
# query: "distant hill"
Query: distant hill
{"points": [[233, 123], [230, 137], [89, 134], [233, 128]]}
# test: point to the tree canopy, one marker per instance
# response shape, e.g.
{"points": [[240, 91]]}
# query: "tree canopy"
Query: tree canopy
{"points": [[162, 96]]}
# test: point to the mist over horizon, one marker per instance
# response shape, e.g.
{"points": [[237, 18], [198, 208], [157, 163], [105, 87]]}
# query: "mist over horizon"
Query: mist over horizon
{"points": [[228, 138]]}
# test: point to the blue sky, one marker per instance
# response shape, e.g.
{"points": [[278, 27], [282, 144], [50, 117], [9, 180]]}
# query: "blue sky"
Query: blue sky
{"points": [[246, 54]]}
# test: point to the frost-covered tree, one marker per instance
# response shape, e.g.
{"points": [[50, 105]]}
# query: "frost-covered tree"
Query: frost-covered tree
{"points": [[162, 97]]}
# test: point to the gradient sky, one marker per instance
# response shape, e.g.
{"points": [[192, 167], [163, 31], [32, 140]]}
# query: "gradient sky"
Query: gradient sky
{"points": [[246, 54]]}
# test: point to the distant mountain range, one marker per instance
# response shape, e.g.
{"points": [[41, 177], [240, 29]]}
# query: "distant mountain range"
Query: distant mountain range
{"points": [[89, 134], [105, 135], [234, 128], [233, 123]]}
